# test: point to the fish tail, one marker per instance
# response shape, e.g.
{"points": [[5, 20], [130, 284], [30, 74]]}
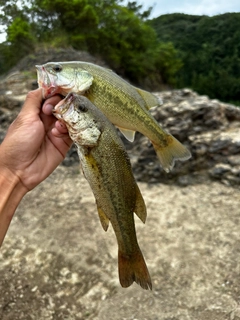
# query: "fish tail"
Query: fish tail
{"points": [[174, 150], [133, 268]]}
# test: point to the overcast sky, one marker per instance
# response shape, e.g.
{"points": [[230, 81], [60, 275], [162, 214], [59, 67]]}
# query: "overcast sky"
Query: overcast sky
{"points": [[196, 7]]}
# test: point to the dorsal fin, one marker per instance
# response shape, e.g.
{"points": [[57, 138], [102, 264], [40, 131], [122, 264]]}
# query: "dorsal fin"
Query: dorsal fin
{"points": [[150, 99]]}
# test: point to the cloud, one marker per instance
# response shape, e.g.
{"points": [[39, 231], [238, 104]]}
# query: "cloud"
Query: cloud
{"points": [[207, 7]]}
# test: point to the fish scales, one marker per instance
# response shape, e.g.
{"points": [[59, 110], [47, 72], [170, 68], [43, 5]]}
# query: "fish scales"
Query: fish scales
{"points": [[107, 168], [103, 178], [124, 105], [128, 112]]}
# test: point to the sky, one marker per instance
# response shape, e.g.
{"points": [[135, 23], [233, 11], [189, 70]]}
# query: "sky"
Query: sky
{"points": [[195, 7]]}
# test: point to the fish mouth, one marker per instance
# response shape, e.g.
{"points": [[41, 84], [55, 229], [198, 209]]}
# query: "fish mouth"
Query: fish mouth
{"points": [[47, 82], [65, 106]]}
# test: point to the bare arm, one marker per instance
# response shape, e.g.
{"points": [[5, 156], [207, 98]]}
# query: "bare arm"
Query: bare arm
{"points": [[11, 193], [34, 146]]}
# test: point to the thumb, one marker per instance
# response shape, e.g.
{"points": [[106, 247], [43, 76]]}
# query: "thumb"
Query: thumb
{"points": [[33, 101]]}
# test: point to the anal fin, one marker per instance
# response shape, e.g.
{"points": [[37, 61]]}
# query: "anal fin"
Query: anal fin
{"points": [[140, 207]]}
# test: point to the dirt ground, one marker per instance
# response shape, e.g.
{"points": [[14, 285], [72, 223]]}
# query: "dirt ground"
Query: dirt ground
{"points": [[57, 262]]}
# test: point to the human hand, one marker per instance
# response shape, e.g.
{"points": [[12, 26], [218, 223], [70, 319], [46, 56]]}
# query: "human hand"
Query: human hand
{"points": [[36, 142]]}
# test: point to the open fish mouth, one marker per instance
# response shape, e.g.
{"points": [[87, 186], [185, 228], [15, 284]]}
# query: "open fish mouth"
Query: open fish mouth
{"points": [[65, 106], [46, 82]]}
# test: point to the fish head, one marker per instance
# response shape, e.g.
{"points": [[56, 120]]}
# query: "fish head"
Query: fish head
{"points": [[76, 112], [62, 78]]}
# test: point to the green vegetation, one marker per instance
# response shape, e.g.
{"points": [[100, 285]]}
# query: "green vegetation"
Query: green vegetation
{"points": [[175, 50], [119, 34], [209, 48]]}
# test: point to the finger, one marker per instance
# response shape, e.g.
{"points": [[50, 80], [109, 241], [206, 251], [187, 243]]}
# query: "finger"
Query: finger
{"points": [[47, 109], [61, 141], [47, 117], [61, 127], [48, 121], [49, 104], [33, 102]]}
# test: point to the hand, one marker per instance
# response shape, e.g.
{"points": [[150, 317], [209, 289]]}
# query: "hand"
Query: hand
{"points": [[35, 143]]}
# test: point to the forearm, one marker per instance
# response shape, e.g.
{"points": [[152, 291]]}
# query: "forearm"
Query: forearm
{"points": [[11, 193]]}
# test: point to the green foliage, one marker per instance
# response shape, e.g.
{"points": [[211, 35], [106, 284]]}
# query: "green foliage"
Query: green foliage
{"points": [[19, 31], [121, 35], [168, 62], [209, 48], [20, 39], [178, 50]]}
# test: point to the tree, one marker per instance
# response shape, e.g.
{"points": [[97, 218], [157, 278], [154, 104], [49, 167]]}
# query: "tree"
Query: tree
{"points": [[168, 62], [209, 49], [121, 35]]}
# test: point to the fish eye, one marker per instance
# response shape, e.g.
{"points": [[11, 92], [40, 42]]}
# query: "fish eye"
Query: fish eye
{"points": [[57, 68], [82, 108]]}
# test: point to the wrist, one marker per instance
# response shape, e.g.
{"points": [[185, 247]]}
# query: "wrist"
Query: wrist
{"points": [[11, 193], [10, 182]]}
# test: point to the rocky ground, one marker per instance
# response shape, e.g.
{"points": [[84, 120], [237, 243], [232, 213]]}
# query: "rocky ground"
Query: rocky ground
{"points": [[57, 262]]}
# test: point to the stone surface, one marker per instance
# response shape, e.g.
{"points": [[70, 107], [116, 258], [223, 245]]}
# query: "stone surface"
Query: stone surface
{"points": [[57, 262], [210, 130]]}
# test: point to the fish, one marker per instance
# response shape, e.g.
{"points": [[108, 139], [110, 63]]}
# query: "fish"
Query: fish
{"points": [[125, 105], [106, 166]]}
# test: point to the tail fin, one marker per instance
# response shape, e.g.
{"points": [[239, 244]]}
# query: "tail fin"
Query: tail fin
{"points": [[173, 151], [133, 268]]}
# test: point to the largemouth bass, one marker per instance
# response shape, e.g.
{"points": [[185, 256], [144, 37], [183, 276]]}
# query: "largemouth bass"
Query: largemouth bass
{"points": [[124, 105], [107, 168]]}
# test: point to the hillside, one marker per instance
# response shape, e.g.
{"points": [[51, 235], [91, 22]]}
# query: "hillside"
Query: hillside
{"points": [[210, 50]]}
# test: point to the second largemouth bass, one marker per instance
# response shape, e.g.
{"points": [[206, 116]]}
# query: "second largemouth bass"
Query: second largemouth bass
{"points": [[124, 105], [107, 168]]}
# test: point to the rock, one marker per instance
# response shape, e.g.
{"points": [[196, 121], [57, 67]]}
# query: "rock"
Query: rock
{"points": [[209, 128], [219, 170]]}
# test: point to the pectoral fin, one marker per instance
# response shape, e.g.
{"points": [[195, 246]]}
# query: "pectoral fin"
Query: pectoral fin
{"points": [[103, 218], [140, 207], [128, 134]]}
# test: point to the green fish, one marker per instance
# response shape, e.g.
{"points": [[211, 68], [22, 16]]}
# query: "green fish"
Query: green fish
{"points": [[107, 168], [126, 106]]}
